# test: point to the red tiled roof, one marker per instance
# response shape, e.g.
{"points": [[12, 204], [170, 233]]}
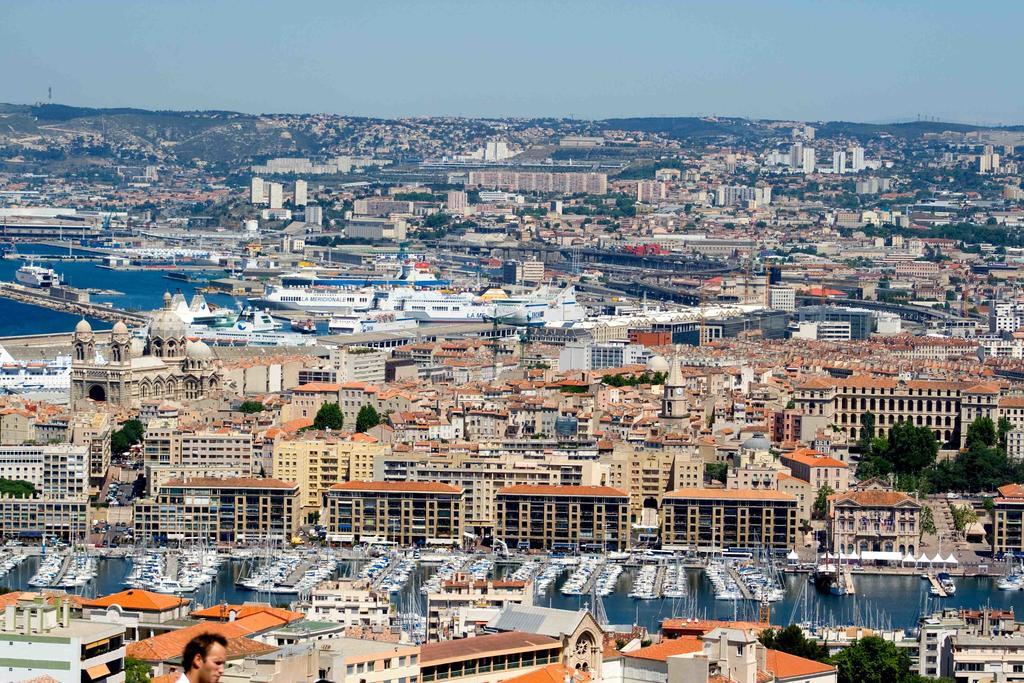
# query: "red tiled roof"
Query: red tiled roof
{"points": [[561, 490], [730, 494], [875, 498], [786, 666], [659, 652], [169, 646], [138, 599], [398, 486]]}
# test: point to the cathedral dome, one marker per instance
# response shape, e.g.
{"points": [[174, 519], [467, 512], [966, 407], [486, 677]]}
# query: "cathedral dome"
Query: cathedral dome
{"points": [[757, 442], [167, 325], [138, 347], [199, 351], [83, 326], [119, 328], [657, 364]]}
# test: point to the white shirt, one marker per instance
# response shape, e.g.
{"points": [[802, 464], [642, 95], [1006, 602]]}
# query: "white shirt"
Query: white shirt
{"points": [[183, 679]]}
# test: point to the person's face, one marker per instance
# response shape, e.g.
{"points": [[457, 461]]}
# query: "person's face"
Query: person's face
{"points": [[212, 668]]}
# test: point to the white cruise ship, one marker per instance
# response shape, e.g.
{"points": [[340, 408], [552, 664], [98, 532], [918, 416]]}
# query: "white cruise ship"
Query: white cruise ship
{"points": [[252, 328], [37, 276], [374, 321], [18, 377], [198, 312], [539, 307], [326, 299]]}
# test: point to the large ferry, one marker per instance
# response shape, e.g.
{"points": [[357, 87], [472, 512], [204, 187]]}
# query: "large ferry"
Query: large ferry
{"points": [[417, 274], [317, 299], [198, 312], [251, 328], [37, 276], [542, 306], [34, 376], [372, 322]]}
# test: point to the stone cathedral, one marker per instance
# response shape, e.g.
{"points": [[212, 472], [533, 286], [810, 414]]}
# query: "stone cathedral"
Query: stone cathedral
{"points": [[164, 366]]}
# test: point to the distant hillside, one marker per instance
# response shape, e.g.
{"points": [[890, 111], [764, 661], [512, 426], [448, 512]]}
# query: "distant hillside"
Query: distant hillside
{"points": [[689, 126]]}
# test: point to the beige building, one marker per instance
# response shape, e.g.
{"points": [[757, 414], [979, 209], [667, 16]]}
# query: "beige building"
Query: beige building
{"points": [[481, 476], [66, 518], [352, 603], [309, 398], [563, 518], [713, 519], [449, 607], [648, 474], [1008, 520], [883, 524], [318, 463], [818, 470], [93, 429], [404, 513], [227, 511]]}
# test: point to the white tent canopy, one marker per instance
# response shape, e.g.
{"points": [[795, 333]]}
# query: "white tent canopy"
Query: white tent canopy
{"points": [[951, 559], [924, 559]]}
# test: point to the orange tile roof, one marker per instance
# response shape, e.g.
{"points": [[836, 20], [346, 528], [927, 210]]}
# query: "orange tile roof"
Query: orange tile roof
{"points": [[659, 652], [169, 646], [138, 599], [249, 609], [398, 486], [709, 625], [875, 498], [297, 424], [552, 673], [785, 665], [318, 388], [1011, 491], [815, 460], [561, 490], [730, 494]]}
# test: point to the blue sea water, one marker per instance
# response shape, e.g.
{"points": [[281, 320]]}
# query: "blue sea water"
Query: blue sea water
{"points": [[881, 600], [141, 290]]}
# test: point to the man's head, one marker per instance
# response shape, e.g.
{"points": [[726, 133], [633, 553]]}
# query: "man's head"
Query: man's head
{"points": [[204, 657]]}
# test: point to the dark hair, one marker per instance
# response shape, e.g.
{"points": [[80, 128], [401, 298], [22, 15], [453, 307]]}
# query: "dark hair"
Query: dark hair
{"points": [[200, 645]]}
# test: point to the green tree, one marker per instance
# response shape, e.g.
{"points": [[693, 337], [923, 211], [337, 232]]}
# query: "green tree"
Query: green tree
{"points": [[137, 671], [367, 418], [982, 432], [821, 502], [872, 660], [867, 431], [329, 417], [17, 488], [909, 448], [249, 407], [130, 433], [716, 471], [963, 517], [1003, 427], [927, 522], [793, 641]]}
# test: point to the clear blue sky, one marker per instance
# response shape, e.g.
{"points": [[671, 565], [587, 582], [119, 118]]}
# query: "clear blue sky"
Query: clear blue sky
{"points": [[865, 61]]}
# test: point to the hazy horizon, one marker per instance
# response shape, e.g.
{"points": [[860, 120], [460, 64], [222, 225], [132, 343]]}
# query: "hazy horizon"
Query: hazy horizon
{"points": [[871, 62]]}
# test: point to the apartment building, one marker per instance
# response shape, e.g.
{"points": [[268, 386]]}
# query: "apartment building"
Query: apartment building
{"points": [[817, 469], [948, 408], [354, 660], [229, 511], [563, 183], [481, 475], [563, 518], [59, 470], [405, 513], [459, 603], [40, 641], [93, 429], [317, 463], [981, 659], [66, 518], [307, 399], [352, 603], [358, 364], [648, 474], [876, 524], [1008, 520], [708, 519]]}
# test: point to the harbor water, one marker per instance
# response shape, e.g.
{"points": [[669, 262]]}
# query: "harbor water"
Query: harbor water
{"points": [[881, 601], [140, 290]]}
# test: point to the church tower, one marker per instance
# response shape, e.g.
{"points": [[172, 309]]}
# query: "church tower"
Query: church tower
{"points": [[674, 406]]}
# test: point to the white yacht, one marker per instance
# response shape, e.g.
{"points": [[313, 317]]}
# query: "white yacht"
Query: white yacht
{"points": [[199, 312], [32, 275]]}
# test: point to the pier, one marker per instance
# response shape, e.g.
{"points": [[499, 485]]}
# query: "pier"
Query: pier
{"points": [[296, 574], [744, 589], [848, 581], [27, 295], [937, 587]]}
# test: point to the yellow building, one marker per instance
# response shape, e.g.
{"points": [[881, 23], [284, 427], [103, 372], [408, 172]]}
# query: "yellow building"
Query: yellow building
{"points": [[318, 463]]}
